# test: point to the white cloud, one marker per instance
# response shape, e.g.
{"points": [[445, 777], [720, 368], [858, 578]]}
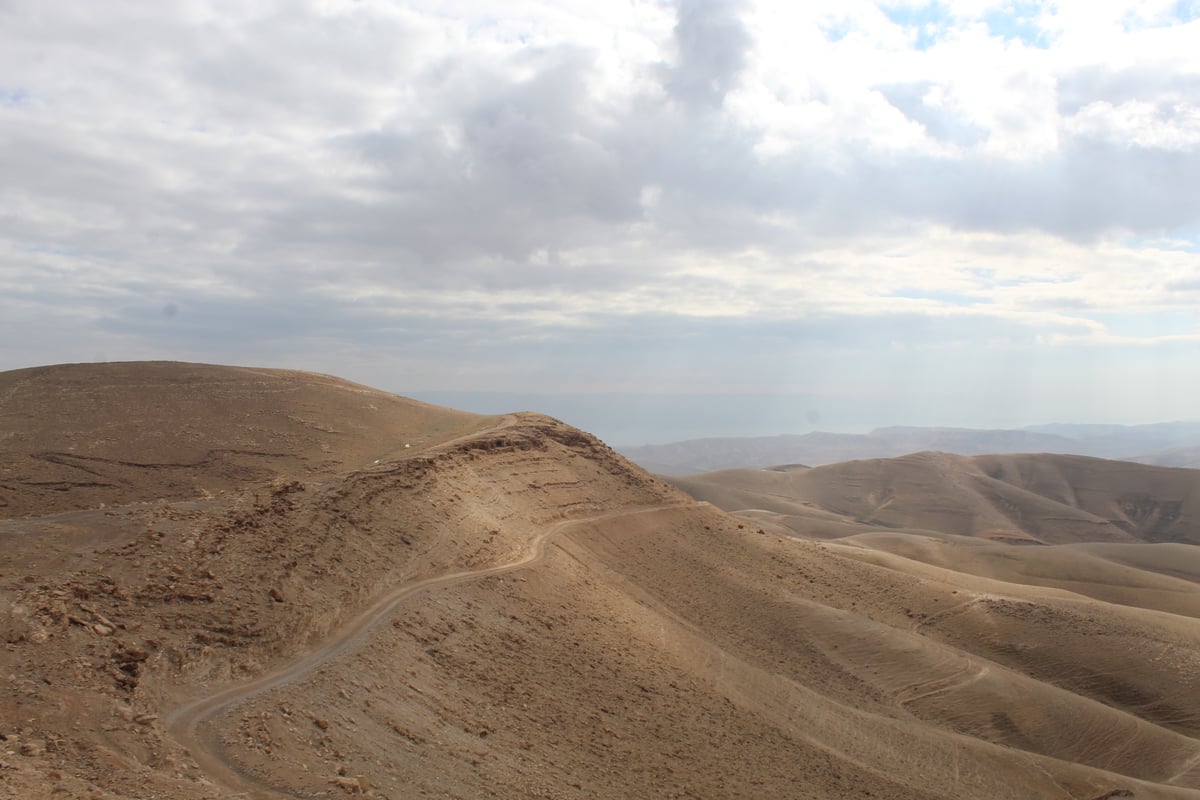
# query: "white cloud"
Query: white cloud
{"points": [[340, 173], [1158, 126]]}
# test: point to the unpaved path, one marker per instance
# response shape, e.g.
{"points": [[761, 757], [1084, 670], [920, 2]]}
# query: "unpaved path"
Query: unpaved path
{"points": [[183, 723]]}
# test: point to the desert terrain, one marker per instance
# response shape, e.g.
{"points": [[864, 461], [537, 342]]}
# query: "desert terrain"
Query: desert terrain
{"points": [[232, 582], [1172, 444]]}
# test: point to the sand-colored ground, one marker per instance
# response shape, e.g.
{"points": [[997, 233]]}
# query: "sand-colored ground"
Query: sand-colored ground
{"points": [[506, 608], [1022, 499]]}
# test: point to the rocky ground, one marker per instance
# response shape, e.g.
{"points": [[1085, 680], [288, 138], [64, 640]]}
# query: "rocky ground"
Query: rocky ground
{"points": [[406, 602]]}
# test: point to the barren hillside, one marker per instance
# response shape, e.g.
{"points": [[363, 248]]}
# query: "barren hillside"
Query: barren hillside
{"points": [[77, 435], [507, 608], [1046, 499]]}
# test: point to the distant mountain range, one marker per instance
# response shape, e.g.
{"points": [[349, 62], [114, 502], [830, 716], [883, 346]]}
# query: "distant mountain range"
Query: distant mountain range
{"points": [[1014, 498], [1169, 444]]}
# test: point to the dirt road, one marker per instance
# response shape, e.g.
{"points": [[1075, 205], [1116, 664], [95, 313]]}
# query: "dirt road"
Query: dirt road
{"points": [[183, 723]]}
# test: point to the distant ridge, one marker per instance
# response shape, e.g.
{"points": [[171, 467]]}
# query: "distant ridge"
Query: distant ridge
{"points": [[1018, 499], [1175, 444]]}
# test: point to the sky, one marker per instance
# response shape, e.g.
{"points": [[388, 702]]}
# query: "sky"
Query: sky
{"points": [[654, 219]]}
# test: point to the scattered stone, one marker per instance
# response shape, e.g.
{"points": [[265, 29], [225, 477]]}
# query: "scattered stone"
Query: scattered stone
{"points": [[145, 719], [15, 625], [349, 784], [32, 749], [323, 724], [276, 595], [102, 630], [131, 654]]}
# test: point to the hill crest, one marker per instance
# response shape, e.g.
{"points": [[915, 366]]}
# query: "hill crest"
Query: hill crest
{"points": [[1043, 498], [74, 436]]}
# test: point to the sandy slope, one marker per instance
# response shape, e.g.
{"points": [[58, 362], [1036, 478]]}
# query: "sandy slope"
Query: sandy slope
{"points": [[183, 721], [1048, 499], [74, 436], [511, 609]]}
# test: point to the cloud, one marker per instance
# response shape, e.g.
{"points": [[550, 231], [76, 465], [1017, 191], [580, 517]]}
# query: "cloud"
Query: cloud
{"points": [[596, 189], [712, 42]]}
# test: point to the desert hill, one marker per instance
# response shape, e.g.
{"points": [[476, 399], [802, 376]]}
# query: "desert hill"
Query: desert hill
{"points": [[508, 608], [1037, 499], [75, 435], [1187, 457]]}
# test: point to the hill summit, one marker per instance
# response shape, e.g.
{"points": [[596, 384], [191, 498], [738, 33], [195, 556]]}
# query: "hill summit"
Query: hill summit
{"points": [[80, 434]]}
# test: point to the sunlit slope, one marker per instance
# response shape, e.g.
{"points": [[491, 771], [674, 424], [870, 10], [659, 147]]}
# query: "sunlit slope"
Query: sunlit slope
{"points": [[671, 652], [895, 655], [1161, 577], [1084, 652], [76, 436], [1127, 654], [1050, 499], [115, 617]]}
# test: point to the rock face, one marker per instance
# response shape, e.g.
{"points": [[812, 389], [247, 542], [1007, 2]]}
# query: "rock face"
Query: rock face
{"points": [[404, 600]]}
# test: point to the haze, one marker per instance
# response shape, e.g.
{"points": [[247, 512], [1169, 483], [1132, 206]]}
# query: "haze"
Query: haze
{"points": [[970, 213]]}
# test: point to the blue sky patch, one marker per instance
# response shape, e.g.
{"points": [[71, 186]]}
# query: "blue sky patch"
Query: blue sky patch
{"points": [[1186, 10], [1186, 240], [1145, 326], [13, 97], [1017, 21], [940, 123], [1182, 12], [929, 22], [837, 30]]}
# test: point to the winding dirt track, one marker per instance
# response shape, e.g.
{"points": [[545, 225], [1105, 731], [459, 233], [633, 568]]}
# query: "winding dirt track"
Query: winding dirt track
{"points": [[183, 723]]}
